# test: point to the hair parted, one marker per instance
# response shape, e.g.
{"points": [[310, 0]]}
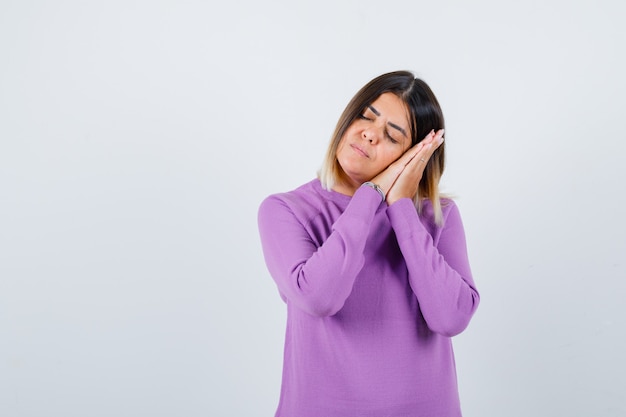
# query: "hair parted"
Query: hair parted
{"points": [[424, 115]]}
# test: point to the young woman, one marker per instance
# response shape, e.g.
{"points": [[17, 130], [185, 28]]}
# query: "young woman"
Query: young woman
{"points": [[372, 264]]}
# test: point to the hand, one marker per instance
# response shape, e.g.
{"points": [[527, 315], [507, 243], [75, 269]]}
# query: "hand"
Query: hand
{"points": [[401, 179]]}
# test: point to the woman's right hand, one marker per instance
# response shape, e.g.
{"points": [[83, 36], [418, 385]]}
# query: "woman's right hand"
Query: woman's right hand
{"points": [[387, 178]]}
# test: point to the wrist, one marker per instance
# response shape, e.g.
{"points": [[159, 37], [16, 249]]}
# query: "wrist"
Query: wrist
{"points": [[377, 188]]}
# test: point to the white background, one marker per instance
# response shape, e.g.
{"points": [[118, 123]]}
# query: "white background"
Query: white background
{"points": [[139, 137]]}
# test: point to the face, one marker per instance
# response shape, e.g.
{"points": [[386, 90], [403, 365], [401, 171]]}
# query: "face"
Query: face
{"points": [[379, 136]]}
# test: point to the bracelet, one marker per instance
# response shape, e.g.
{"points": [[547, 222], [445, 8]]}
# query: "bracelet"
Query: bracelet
{"points": [[377, 188]]}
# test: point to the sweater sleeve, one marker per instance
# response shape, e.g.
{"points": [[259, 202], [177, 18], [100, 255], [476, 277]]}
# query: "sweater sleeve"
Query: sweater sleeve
{"points": [[316, 279], [440, 275]]}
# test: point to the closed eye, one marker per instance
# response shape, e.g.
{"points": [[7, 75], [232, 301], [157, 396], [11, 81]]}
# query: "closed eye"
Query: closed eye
{"points": [[390, 138], [362, 116]]}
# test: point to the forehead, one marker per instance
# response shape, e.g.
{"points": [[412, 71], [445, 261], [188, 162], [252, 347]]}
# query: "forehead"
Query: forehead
{"points": [[392, 107]]}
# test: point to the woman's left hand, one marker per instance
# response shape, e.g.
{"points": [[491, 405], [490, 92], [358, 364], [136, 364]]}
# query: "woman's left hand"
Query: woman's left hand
{"points": [[407, 183]]}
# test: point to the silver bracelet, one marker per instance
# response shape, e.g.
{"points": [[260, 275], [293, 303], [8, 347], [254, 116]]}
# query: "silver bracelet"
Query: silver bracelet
{"points": [[377, 188]]}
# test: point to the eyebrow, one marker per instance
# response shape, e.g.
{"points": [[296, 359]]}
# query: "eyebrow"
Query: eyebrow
{"points": [[395, 126]]}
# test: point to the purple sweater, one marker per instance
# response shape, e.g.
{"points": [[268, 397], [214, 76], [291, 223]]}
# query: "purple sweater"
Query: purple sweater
{"points": [[374, 294]]}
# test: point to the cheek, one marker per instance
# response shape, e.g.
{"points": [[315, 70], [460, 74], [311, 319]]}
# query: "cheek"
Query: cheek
{"points": [[340, 147], [406, 145], [392, 154]]}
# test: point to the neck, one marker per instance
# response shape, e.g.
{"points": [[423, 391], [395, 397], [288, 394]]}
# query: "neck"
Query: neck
{"points": [[345, 186]]}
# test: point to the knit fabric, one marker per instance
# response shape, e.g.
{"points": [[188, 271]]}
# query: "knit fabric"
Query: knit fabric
{"points": [[374, 294]]}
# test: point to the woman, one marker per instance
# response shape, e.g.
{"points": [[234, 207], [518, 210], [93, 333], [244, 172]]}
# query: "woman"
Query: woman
{"points": [[372, 265]]}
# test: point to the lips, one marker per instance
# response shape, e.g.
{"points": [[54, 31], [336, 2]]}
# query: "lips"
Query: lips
{"points": [[359, 151]]}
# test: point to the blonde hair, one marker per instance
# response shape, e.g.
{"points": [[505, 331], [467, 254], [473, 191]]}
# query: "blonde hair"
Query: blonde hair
{"points": [[425, 115]]}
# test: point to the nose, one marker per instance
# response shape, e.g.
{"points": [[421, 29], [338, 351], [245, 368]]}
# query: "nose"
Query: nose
{"points": [[371, 134]]}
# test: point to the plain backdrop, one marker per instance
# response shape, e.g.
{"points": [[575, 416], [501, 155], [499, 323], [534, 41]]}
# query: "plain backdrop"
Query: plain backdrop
{"points": [[137, 139]]}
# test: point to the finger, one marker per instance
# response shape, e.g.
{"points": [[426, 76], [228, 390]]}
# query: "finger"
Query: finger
{"points": [[436, 143], [410, 154], [427, 139], [421, 145], [438, 138], [416, 150], [423, 157], [430, 138], [430, 148]]}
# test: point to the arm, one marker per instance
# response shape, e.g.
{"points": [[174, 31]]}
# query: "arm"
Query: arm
{"points": [[439, 276], [316, 279]]}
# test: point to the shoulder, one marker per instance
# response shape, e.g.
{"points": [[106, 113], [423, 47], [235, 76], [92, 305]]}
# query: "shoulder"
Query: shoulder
{"points": [[304, 195], [451, 216], [304, 202], [448, 208]]}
